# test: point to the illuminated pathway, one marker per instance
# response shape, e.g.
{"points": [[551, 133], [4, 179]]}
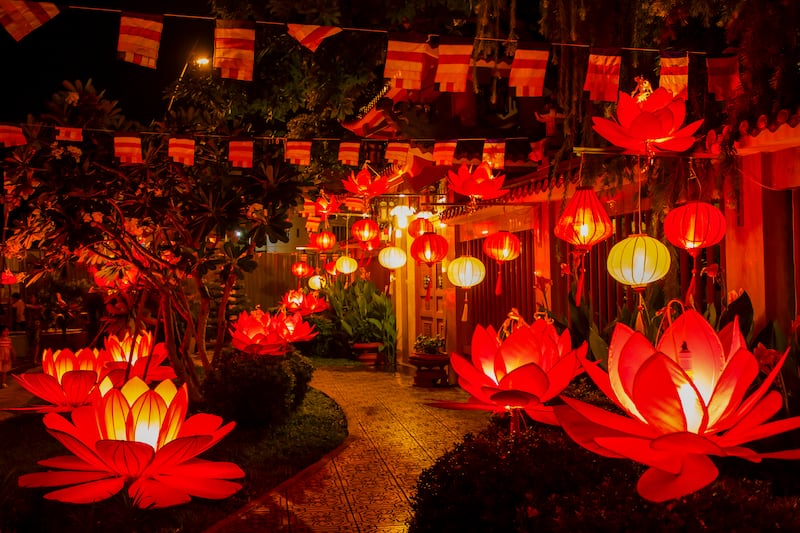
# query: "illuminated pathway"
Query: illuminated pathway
{"points": [[365, 485]]}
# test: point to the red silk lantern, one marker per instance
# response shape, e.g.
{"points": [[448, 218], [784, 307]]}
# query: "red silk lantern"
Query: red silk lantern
{"points": [[370, 245], [418, 226], [692, 227], [583, 224], [301, 269], [501, 246], [324, 241], [429, 248], [365, 230]]}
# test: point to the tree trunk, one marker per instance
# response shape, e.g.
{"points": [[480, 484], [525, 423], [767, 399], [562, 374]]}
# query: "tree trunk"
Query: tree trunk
{"points": [[183, 366], [202, 320], [222, 315]]}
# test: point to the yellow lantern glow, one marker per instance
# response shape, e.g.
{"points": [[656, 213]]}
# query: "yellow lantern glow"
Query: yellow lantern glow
{"points": [[466, 271], [638, 260], [392, 258], [402, 212], [346, 264], [316, 282]]}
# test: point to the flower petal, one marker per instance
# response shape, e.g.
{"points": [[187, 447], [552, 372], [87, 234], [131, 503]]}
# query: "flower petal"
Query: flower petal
{"points": [[627, 110], [665, 396], [88, 492], [513, 398], [126, 457], [149, 493], [737, 377], [42, 386], [686, 443], [529, 378], [658, 486], [60, 478], [640, 450], [627, 352], [77, 385]]}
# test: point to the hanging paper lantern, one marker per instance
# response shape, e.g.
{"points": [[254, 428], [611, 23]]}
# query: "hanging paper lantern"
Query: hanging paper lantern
{"points": [[346, 265], [429, 248], [583, 224], [392, 258], [365, 230], [637, 261], [418, 226], [324, 241], [301, 269], [316, 282], [465, 272], [501, 246], [692, 227]]}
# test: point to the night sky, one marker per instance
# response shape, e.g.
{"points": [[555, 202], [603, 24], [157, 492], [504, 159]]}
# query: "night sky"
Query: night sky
{"points": [[78, 45]]}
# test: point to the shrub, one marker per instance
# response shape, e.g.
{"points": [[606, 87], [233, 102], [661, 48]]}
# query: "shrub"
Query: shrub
{"points": [[331, 340], [542, 481], [256, 390]]}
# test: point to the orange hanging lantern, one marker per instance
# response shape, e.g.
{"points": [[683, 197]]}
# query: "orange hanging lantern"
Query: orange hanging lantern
{"points": [[365, 230], [429, 248], [418, 226], [465, 272], [501, 246], [692, 227], [370, 245], [324, 241], [301, 269], [583, 224]]}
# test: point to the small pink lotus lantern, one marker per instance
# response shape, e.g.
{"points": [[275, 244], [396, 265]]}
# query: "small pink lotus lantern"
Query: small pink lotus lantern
{"points": [[139, 438]]}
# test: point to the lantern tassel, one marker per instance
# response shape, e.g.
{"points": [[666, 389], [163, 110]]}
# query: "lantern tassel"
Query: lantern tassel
{"points": [[465, 312], [579, 288], [498, 288]]}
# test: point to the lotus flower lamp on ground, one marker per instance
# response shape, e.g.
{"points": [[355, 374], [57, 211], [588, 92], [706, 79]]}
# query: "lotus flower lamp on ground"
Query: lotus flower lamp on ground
{"points": [[583, 224], [692, 227], [139, 357], [260, 333], [685, 400], [649, 123], [137, 437], [524, 371], [502, 246]]}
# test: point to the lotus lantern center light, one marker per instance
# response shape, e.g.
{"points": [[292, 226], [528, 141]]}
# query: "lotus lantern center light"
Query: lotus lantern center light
{"points": [[501, 246]]}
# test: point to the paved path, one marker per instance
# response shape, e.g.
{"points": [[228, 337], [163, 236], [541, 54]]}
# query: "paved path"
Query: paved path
{"points": [[366, 485]]}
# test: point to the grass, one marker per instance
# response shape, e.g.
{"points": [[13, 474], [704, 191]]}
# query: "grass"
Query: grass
{"points": [[268, 456]]}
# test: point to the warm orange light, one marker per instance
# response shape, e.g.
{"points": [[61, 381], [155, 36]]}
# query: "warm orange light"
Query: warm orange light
{"points": [[418, 226], [392, 258], [694, 225], [429, 248], [323, 241], [502, 246], [301, 269], [365, 230], [584, 221]]}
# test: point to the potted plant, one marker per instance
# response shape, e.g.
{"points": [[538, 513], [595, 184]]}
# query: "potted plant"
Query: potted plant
{"points": [[430, 359], [425, 344]]}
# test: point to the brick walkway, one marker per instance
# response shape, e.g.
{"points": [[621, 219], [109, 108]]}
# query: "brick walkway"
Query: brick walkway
{"points": [[366, 484]]}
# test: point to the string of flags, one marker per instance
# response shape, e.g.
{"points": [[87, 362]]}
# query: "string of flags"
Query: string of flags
{"points": [[128, 148], [410, 60]]}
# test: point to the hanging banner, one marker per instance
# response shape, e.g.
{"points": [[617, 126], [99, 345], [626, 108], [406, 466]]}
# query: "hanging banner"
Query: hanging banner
{"points": [[139, 39], [452, 69], [311, 36], [528, 69], [674, 73], [234, 49], [21, 18], [602, 77]]}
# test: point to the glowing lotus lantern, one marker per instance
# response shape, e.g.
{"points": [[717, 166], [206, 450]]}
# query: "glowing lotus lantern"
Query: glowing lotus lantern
{"points": [[465, 272], [530, 367], [418, 226], [8, 277], [653, 122], [313, 303], [346, 265], [293, 300], [429, 248], [583, 224], [363, 185], [325, 205], [692, 227], [502, 246], [685, 399], [365, 230], [480, 184], [68, 379], [323, 241], [136, 437], [138, 357], [260, 333]]}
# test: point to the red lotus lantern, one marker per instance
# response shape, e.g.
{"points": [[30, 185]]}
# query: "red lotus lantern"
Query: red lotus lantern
{"points": [[323, 241], [692, 227], [365, 230], [8, 277], [501, 246], [363, 185], [583, 224], [325, 205], [330, 268], [418, 226], [429, 248]]}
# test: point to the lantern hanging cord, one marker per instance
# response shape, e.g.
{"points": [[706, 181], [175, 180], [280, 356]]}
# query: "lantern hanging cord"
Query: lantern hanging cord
{"points": [[693, 176]]}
